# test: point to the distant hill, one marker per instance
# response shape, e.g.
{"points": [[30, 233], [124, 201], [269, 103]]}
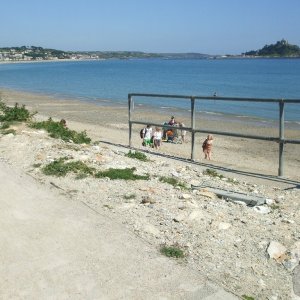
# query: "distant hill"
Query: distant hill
{"points": [[39, 53], [280, 49]]}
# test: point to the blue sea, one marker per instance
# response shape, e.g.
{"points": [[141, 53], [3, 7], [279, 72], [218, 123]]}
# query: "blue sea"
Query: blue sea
{"points": [[113, 79]]}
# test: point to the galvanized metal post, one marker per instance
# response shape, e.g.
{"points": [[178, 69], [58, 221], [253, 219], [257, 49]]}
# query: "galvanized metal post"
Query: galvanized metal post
{"points": [[129, 119], [281, 138], [193, 127]]}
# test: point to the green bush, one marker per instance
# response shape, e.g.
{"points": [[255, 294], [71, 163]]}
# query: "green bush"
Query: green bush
{"points": [[137, 155], [173, 181], [172, 251], [212, 173], [15, 113], [61, 168], [125, 174], [58, 131]]}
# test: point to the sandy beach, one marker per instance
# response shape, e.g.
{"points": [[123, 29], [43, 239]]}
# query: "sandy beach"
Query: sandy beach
{"points": [[245, 250], [106, 121]]}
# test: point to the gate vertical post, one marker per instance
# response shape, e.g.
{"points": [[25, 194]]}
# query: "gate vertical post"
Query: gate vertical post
{"points": [[281, 138], [193, 127], [129, 118]]}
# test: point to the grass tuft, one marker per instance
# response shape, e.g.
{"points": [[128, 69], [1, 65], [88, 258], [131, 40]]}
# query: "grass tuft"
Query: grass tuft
{"points": [[129, 196], [58, 131], [125, 174], [137, 155], [212, 173], [245, 297], [173, 181], [61, 168], [172, 251]]}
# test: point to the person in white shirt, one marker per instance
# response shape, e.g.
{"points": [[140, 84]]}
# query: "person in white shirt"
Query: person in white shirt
{"points": [[147, 134], [157, 136]]}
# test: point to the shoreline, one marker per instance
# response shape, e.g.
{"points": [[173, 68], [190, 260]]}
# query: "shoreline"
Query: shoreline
{"points": [[110, 123]]}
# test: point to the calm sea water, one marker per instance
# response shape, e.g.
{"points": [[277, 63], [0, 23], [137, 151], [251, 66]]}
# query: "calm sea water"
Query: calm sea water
{"points": [[114, 79]]}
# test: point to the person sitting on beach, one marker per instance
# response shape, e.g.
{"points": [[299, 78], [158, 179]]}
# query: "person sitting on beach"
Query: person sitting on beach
{"points": [[157, 136], [147, 135], [172, 122], [63, 123], [207, 147], [170, 135]]}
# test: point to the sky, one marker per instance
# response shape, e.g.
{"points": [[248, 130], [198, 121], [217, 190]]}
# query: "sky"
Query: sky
{"points": [[203, 26]]}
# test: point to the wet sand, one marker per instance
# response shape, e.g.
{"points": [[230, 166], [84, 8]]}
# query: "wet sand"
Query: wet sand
{"points": [[108, 122]]}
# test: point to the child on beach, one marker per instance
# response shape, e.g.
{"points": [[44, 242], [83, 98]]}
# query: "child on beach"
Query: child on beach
{"points": [[183, 132], [147, 134], [157, 136], [207, 147]]}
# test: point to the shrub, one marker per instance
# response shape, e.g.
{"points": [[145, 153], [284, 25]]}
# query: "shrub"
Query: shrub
{"points": [[58, 131], [15, 113], [129, 196], [212, 173], [137, 155], [125, 174], [172, 251], [173, 181], [60, 168]]}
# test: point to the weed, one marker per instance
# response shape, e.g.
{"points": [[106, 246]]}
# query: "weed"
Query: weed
{"points": [[129, 196], [58, 131], [8, 131], [125, 174], [274, 206], [5, 125], [15, 113], [245, 297], [234, 181], [137, 155], [173, 181], [212, 173], [36, 165], [172, 251], [60, 168]]}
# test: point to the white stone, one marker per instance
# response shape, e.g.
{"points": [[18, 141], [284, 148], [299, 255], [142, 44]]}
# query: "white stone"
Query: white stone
{"points": [[269, 201], [195, 215], [276, 250], [185, 196], [224, 226], [262, 209]]}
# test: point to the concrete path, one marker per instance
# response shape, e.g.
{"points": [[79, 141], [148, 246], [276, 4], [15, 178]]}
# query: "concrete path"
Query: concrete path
{"points": [[54, 248]]}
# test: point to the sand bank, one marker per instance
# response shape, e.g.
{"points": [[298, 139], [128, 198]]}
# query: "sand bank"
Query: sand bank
{"points": [[107, 121]]}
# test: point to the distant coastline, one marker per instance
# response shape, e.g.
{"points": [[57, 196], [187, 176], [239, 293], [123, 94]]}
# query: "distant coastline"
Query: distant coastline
{"points": [[282, 49]]}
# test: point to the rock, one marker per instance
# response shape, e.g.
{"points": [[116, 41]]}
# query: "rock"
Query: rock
{"points": [[276, 250], [179, 218], [294, 258], [147, 199], [185, 196], [207, 194], [195, 183], [279, 199], [175, 174], [224, 226], [262, 209], [269, 201], [296, 281], [195, 215]]}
